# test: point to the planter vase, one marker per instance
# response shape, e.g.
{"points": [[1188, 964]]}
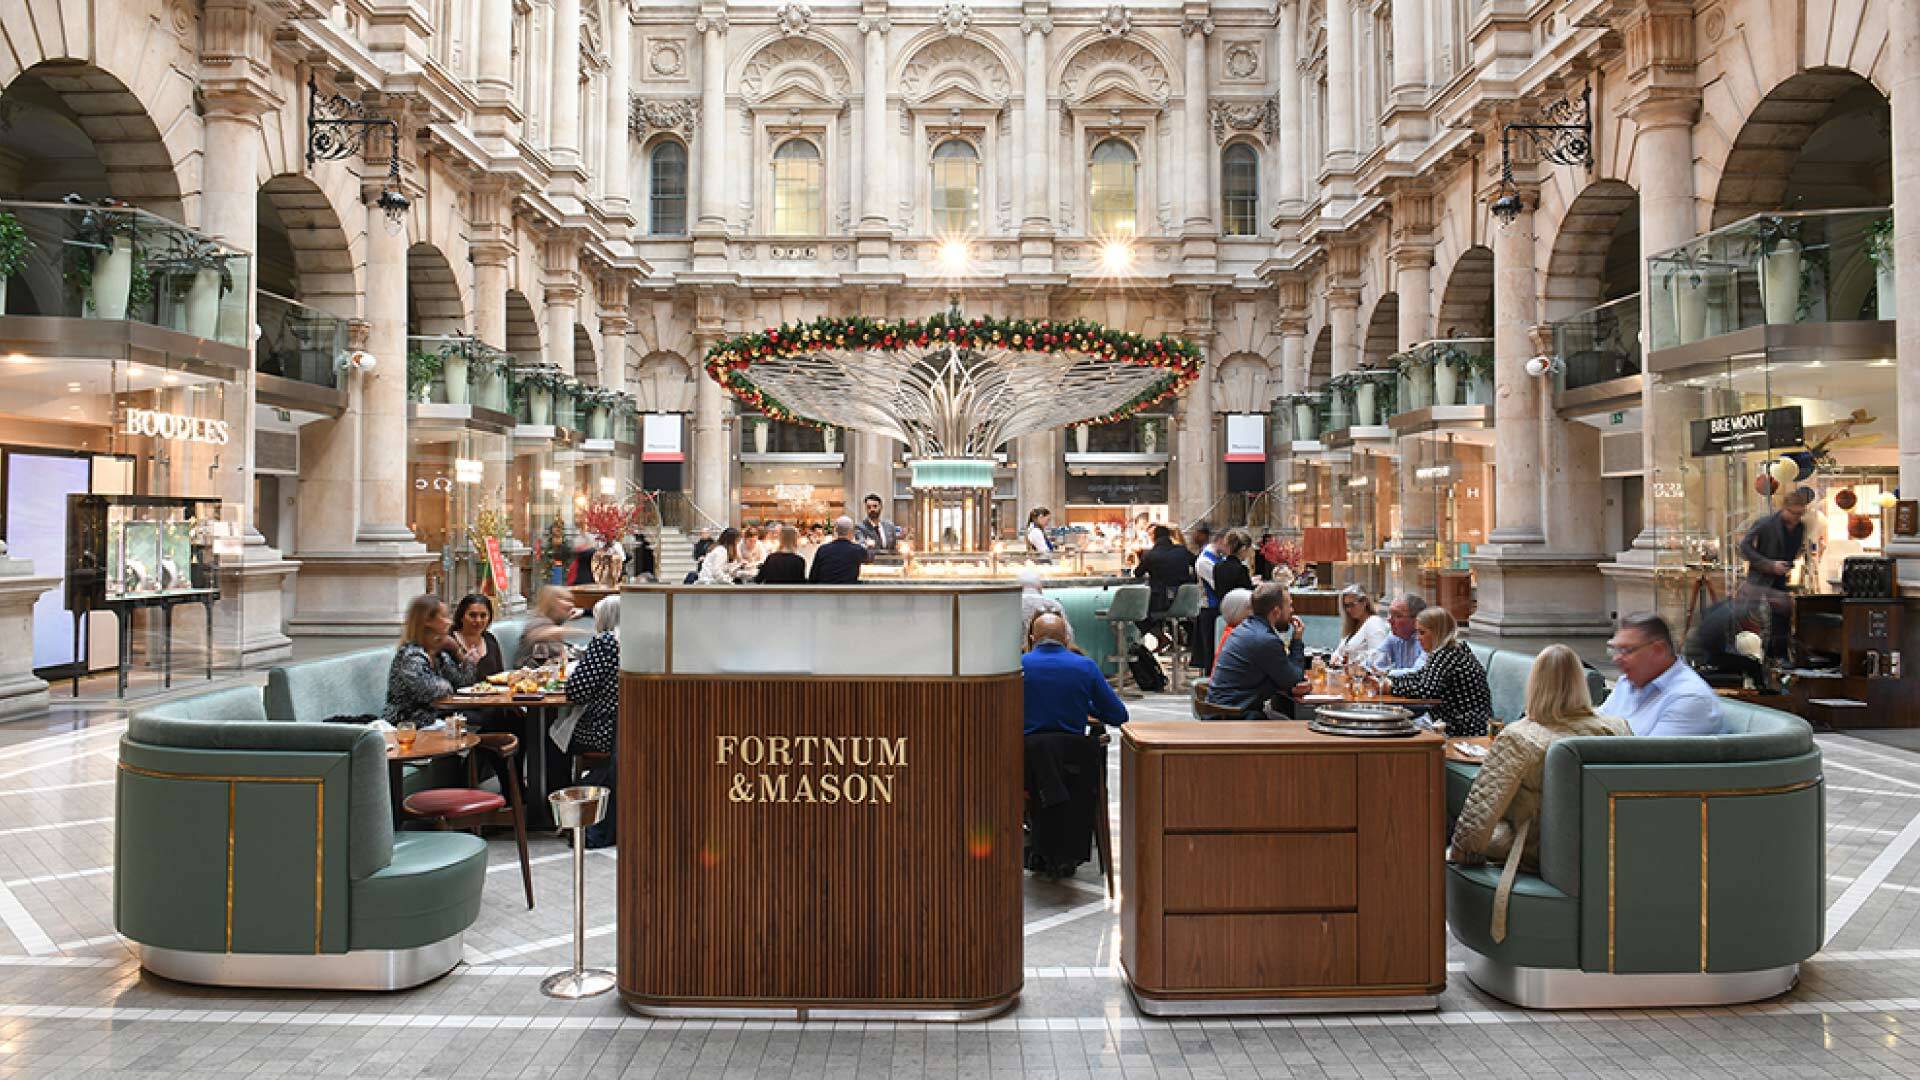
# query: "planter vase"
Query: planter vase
{"points": [[1689, 310], [454, 373], [1446, 383], [759, 438], [1304, 427], [1080, 438], [1416, 390], [1150, 439], [539, 406], [831, 438], [493, 391], [112, 280], [1365, 405], [202, 309], [1883, 286], [1338, 413], [1480, 390], [598, 423], [3, 296], [1780, 281]]}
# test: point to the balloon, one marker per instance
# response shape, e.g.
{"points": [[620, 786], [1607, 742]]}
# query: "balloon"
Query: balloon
{"points": [[1859, 526], [1784, 472], [1808, 494], [1887, 499], [1845, 498], [1804, 461], [1764, 484]]}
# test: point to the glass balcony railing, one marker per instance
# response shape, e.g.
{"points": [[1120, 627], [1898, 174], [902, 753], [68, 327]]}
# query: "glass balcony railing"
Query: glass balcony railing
{"points": [[1447, 371], [455, 369], [536, 389], [87, 260], [298, 342], [1599, 344], [1792, 267], [566, 406]]}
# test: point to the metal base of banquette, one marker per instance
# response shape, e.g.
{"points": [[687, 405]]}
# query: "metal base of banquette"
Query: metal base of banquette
{"points": [[1565, 988], [363, 969], [1154, 1005], [912, 1014]]}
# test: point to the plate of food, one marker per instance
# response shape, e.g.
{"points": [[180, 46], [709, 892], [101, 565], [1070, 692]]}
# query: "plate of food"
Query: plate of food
{"points": [[1322, 699]]}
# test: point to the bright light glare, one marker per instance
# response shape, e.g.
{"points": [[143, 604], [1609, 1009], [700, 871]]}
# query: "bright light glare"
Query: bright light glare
{"points": [[953, 256], [1116, 256], [607, 485]]}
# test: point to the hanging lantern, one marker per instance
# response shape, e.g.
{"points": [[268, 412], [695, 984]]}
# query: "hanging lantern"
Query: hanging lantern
{"points": [[1783, 471], [1845, 498]]}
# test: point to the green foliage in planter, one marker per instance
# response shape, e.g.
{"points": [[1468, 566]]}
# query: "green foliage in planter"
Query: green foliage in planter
{"points": [[187, 255], [1880, 241], [422, 369], [95, 231], [14, 246]]}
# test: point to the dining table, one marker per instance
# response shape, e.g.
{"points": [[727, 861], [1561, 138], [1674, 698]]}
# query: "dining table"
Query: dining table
{"points": [[426, 746], [541, 708]]}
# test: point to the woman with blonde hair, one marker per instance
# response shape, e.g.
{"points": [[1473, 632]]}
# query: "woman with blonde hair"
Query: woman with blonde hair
{"points": [[421, 673], [1452, 677], [1500, 818], [1362, 628]]}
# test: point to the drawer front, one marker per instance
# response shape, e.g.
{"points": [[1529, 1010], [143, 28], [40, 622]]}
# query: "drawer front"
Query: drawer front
{"points": [[1247, 792], [1219, 872], [1259, 952]]}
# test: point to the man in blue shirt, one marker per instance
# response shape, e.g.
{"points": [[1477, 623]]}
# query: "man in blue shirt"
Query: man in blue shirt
{"points": [[1401, 653], [1658, 694], [1063, 688], [1257, 664]]}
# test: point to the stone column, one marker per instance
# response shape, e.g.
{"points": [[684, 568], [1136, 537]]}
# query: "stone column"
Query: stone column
{"points": [[705, 192], [712, 463], [1414, 263], [1905, 75], [1518, 398], [1036, 216], [383, 487], [1195, 449], [1343, 322], [616, 150], [490, 293], [1293, 121], [562, 311], [1340, 68], [563, 139], [1409, 51], [873, 125], [494, 76], [1197, 152], [614, 327]]}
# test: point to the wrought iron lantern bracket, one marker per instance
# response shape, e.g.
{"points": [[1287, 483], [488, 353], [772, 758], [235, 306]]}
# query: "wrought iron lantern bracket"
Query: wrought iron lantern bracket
{"points": [[1563, 136], [340, 127]]}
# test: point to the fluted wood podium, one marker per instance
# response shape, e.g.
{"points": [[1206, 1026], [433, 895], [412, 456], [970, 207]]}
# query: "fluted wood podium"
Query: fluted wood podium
{"points": [[819, 798], [1267, 868]]}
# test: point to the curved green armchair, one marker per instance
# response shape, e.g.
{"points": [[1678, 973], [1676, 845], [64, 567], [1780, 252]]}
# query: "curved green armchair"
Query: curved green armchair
{"points": [[252, 853]]}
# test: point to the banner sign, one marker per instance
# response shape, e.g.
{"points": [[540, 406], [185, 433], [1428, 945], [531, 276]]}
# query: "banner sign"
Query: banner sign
{"points": [[660, 437], [1246, 437], [1741, 433], [498, 566]]}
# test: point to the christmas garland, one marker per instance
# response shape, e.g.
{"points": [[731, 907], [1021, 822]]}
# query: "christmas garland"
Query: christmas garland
{"points": [[729, 361]]}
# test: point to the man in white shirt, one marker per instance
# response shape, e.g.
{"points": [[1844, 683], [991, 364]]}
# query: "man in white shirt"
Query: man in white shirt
{"points": [[1213, 548], [1658, 694]]}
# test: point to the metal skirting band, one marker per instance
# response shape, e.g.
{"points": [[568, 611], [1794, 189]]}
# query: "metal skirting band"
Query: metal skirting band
{"points": [[910, 1014], [362, 969], [1567, 988], [1282, 1006]]}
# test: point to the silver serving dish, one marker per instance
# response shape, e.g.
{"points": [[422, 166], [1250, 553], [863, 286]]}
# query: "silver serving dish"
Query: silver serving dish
{"points": [[1363, 721]]}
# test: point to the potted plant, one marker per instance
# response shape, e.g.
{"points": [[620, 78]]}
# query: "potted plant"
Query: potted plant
{"points": [[1447, 368], [422, 369], [1340, 391], [1416, 386], [198, 276], [1478, 369], [1080, 436], [599, 403], [1306, 416], [100, 261], [535, 386], [1686, 286], [1373, 396], [1779, 264], [14, 248], [760, 435], [1879, 253], [456, 372]]}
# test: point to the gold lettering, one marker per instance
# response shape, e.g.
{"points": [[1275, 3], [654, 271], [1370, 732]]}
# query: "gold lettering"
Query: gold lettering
{"points": [[830, 788], [740, 790], [835, 751], [723, 746], [882, 787], [893, 752], [805, 743], [777, 751], [803, 790], [863, 750], [753, 750], [773, 788], [856, 787]]}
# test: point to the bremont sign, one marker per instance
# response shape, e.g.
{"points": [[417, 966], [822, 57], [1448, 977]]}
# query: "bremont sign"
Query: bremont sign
{"points": [[828, 769], [1740, 433], [175, 427]]}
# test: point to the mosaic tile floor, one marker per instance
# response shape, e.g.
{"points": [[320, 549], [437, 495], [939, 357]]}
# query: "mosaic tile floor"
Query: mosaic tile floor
{"points": [[73, 1002]]}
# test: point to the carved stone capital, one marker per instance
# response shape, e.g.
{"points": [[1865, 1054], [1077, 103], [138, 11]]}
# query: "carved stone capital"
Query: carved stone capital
{"points": [[1190, 26], [1655, 107], [1033, 25], [1658, 39], [715, 23], [875, 25]]}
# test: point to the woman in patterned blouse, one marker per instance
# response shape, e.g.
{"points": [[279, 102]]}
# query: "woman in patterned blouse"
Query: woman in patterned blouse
{"points": [[594, 685], [1452, 677], [422, 673]]}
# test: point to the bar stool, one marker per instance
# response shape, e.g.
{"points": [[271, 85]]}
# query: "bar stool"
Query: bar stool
{"points": [[1180, 616], [1127, 607], [475, 808]]}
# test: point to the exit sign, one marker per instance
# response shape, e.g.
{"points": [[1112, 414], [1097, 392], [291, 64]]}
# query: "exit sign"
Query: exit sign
{"points": [[1617, 418]]}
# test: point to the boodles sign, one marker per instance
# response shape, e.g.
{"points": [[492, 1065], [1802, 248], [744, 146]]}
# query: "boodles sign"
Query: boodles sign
{"points": [[175, 427]]}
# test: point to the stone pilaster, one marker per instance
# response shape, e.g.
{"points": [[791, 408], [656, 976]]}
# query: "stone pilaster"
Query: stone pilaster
{"points": [[1905, 74], [22, 693]]}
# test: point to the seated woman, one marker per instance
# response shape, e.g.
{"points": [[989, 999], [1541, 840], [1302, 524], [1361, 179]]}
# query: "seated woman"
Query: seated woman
{"points": [[544, 637], [422, 673], [471, 644], [594, 686], [1233, 610], [722, 565], [1362, 628], [785, 565], [1501, 813], [1452, 677]]}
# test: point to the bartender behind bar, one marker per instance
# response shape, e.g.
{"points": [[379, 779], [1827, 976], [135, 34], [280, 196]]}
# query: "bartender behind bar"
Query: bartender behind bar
{"points": [[877, 534], [1771, 547]]}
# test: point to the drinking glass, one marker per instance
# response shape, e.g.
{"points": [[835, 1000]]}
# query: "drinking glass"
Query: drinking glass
{"points": [[403, 735]]}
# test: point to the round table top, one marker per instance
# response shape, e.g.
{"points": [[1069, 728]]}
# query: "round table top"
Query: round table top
{"points": [[1475, 740], [430, 744], [502, 699]]}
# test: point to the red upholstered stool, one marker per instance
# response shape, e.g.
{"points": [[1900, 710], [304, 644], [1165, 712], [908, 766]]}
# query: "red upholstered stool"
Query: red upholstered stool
{"points": [[473, 808]]}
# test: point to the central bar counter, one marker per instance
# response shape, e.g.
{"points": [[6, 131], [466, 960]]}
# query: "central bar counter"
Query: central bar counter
{"points": [[818, 801]]}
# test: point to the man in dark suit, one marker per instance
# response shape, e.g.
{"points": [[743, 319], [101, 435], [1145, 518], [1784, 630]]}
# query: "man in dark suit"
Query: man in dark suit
{"points": [[1166, 566], [873, 532], [838, 560]]}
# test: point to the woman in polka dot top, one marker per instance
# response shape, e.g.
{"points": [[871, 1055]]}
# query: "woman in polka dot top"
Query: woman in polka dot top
{"points": [[1452, 677]]}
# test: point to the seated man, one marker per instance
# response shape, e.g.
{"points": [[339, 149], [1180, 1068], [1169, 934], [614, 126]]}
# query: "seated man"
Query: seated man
{"points": [[1401, 653], [1657, 693], [1063, 766], [1714, 647], [1258, 665]]}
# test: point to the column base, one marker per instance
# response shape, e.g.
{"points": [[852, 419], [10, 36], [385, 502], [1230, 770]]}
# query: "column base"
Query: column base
{"points": [[357, 593], [1525, 592], [249, 627], [22, 693], [1634, 577]]}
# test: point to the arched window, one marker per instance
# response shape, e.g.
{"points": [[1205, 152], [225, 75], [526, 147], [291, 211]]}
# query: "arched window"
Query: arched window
{"points": [[799, 195], [1239, 190], [956, 188], [667, 189], [1111, 193]]}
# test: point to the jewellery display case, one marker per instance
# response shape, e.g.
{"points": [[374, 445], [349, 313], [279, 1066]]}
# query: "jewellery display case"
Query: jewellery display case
{"points": [[126, 552]]}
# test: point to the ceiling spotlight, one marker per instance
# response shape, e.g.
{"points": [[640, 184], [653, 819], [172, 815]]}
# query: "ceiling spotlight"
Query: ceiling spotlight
{"points": [[170, 378], [953, 256], [1116, 256]]}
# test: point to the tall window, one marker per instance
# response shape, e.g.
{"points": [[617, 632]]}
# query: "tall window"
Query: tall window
{"points": [[956, 188], [1111, 193], [667, 189], [1240, 190], [799, 196]]}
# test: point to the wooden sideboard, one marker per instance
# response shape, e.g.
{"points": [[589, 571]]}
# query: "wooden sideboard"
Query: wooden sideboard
{"points": [[1269, 868]]}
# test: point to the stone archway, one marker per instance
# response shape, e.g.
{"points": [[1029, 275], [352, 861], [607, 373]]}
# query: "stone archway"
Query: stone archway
{"points": [[586, 361], [523, 329], [1383, 332], [662, 383], [1320, 360], [76, 128], [303, 249], [433, 293], [1821, 140], [1240, 385], [1466, 304]]}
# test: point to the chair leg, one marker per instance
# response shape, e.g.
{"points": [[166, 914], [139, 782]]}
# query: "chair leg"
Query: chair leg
{"points": [[520, 833], [1103, 830]]}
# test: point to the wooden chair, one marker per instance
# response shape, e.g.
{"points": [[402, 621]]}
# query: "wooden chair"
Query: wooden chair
{"points": [[1102, 823], [472, 807]]}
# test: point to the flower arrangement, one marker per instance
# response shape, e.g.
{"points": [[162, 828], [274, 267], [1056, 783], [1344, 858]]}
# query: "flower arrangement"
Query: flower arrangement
{"points": [[609, 521], [728, 362]]}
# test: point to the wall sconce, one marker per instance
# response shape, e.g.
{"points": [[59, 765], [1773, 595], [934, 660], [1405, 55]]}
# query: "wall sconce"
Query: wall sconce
{"points": [[338, 126], [1563, 136]]}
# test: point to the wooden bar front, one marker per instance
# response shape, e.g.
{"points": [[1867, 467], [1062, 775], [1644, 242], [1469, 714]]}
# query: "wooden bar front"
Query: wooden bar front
{"points": [[1269, 868], [819, 844]]}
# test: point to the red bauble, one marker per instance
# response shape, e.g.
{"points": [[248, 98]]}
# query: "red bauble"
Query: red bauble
{"points": [[1859, 526], [1764, 484], [1845, 498]]}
